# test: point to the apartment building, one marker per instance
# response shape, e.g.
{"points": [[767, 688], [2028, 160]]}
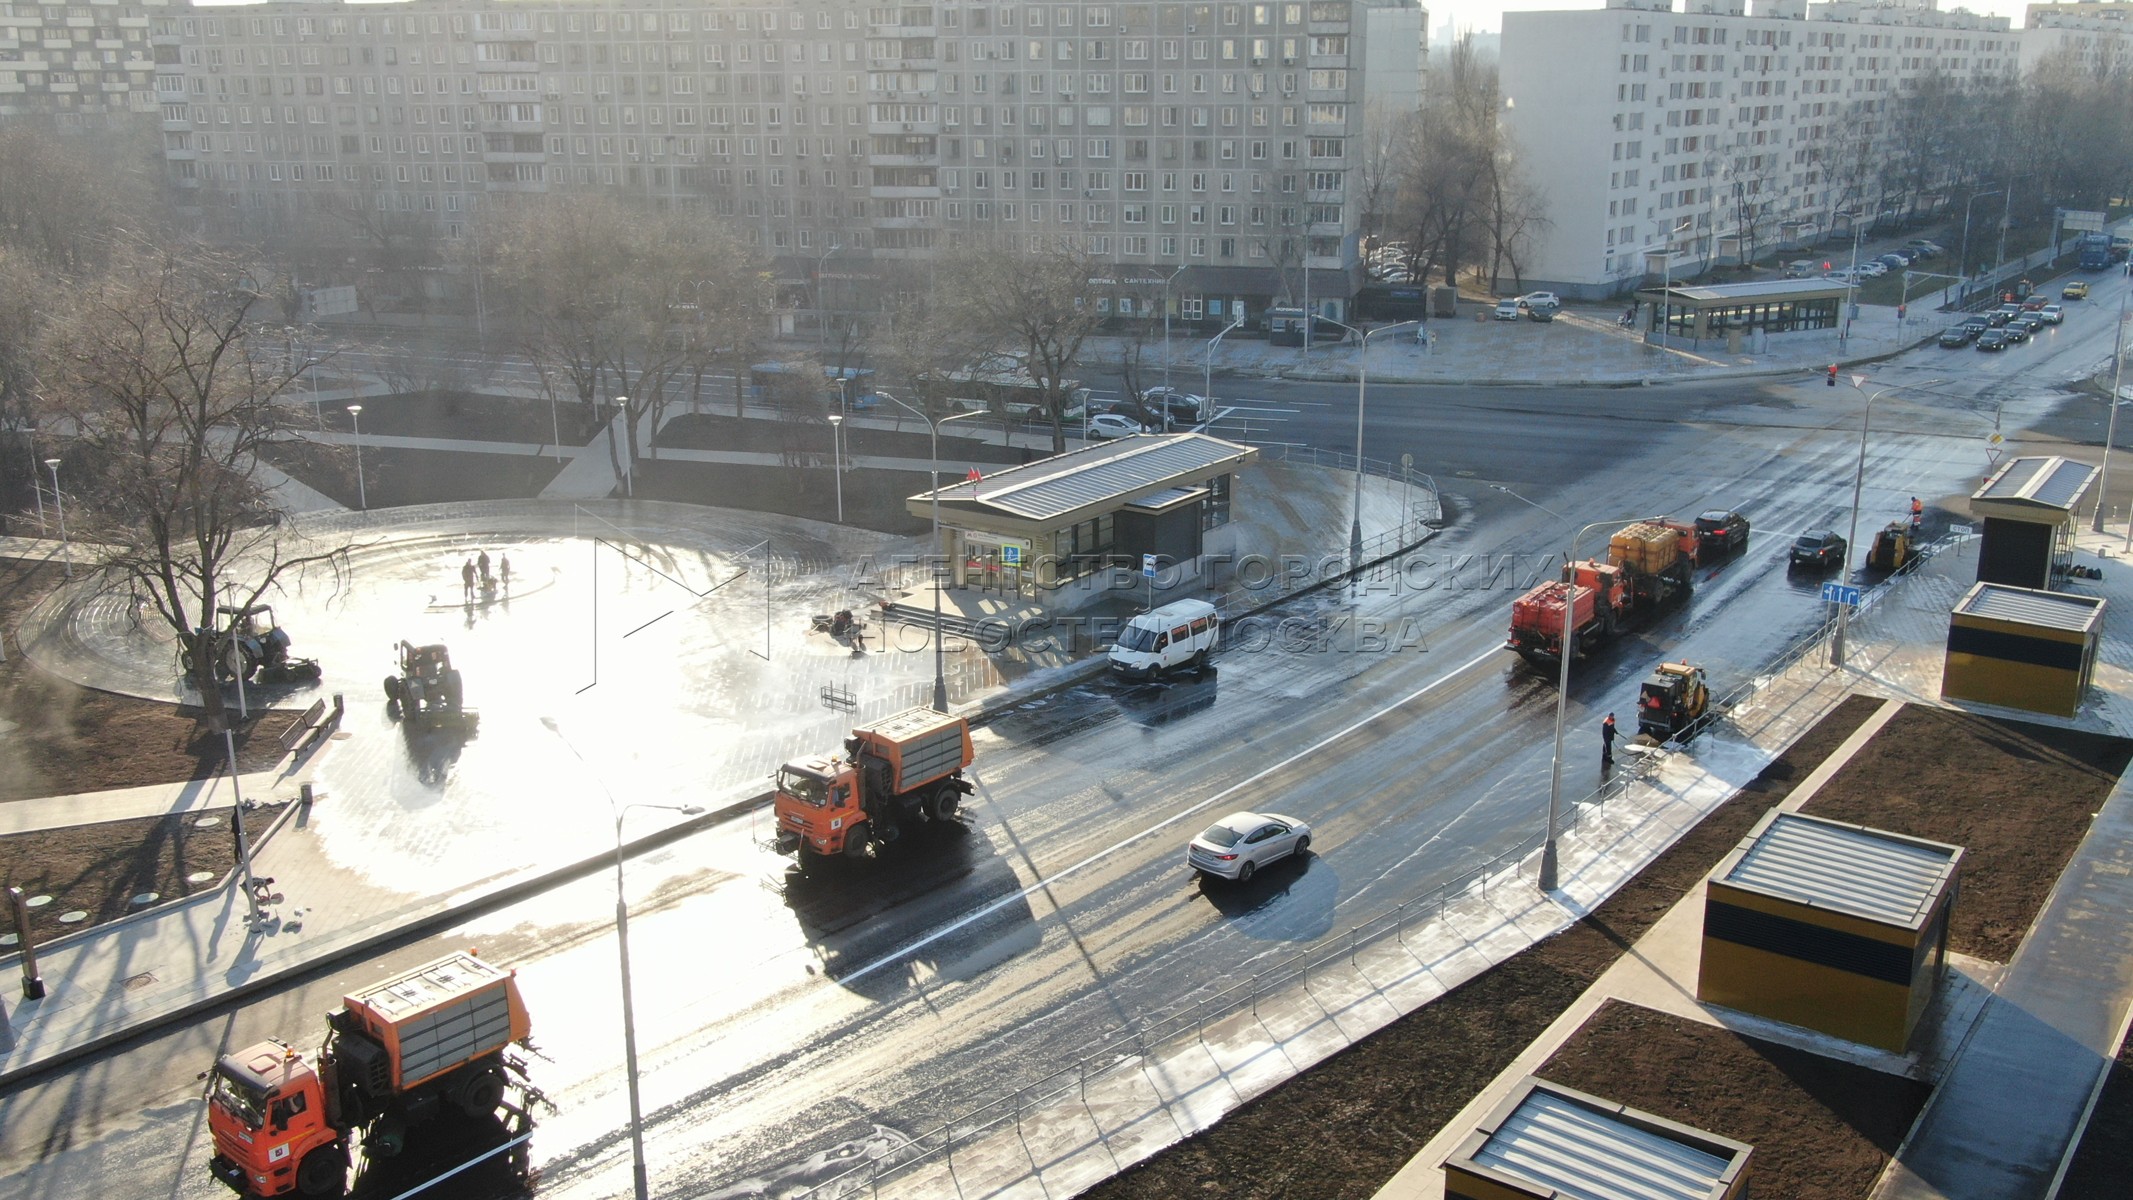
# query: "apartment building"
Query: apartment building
{"points": [[78, 63], [840, 136], [2097, 33], [1710, 131]]}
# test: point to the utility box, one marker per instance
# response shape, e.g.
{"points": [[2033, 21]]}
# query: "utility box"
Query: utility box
{"points": [[1444, 301], [1833, 927], [2022, 648], [1550, 1142]]}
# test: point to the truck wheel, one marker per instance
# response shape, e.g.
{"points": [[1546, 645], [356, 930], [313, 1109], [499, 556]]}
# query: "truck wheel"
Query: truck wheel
{"points": [[482, 1092], [856, 839], [392, 687], [946, 801], [324, 1172], [452, 693]]}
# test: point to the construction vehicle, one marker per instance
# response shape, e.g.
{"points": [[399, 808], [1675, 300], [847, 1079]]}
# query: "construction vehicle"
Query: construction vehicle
{"points": [[255, 649], [900, 772], [1672, 704], [1892, 548], [416, 1047], [427, 689], [1649, 565]]}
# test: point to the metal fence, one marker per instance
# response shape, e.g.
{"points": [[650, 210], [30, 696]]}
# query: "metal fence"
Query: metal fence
{"points": [[1193, 1018]]}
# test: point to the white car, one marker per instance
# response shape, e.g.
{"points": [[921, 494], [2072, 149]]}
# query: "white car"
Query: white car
{"points": [[1873, 270], [1508, 310], [1541, 300], [1111, 425], [1236, 846]]}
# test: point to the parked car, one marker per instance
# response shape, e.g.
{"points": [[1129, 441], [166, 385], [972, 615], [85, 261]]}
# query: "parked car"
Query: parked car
{"points": [[1541, 300], [1992, 339], [1114, 425], [1873, 270], [1236, 846], [1800, 268], [2053, 314], [1541, 312], [1893, 262], [2076, 290], [1957, 337], [1720, 527], [1925, 248], [1818, 549], [1508, 310]]}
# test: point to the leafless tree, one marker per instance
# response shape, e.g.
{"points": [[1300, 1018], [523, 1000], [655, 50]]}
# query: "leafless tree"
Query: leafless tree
{"points": [[1040, 305], [155, 369]]}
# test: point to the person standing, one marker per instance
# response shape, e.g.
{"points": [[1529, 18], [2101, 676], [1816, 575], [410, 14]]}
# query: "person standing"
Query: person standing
{"points": [[503, 570], [1918, 514], [466, 580], [1607, 741], [481, 565]]}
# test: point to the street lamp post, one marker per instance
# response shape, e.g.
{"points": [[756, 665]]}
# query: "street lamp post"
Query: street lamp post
{"points": [[355, 414], [1548, 863], [555, 426], [837, 460], [622, 945], [1362, 381], [29, 434], [1666, 279], [933, 431], [59, 503], [1851, 283], [2110, 429], [629, 460], [318, 414], [1866, 417], [1962, 261], [1166, 328], [1207, 382]]}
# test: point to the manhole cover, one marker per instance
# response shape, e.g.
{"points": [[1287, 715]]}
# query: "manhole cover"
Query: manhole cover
{"points": [[200, 877], [137, 982], [206, 822], [73, 918], [146, 898], [37, 902]]}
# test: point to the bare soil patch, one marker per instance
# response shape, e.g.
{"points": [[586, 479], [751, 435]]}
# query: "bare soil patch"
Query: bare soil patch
{"points": [[1345, 1127], [1839, 1123], [2018, 797], [705, 431], [872, 499], [485, 418], [103, 869]]}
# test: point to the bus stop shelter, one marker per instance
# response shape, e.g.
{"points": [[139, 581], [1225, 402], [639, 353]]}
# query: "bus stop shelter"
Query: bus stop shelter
{"points": [[1741, 315], [2028, 509]]}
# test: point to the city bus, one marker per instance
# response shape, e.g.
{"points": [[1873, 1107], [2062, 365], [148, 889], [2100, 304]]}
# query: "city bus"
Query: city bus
{"points": [[1012, 392]]}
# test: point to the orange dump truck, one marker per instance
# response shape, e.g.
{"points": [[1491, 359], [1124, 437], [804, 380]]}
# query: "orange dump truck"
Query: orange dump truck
{"points": [[398, 1053], [900, 772], [1649, 565]]}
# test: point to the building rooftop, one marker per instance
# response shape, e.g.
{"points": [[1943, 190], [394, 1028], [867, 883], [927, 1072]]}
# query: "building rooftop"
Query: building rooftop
{"points": [[1882, 877], [1561, 1142], [2052, 610], [1136, 469]]}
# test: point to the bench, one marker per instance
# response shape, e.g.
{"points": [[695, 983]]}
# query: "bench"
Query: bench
{"points": [[300, 728]]}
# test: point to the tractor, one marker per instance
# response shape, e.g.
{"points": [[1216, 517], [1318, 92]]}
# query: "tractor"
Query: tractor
{"points": [[256, 649], [1672, 704], [1893, 547], [427, 688]]}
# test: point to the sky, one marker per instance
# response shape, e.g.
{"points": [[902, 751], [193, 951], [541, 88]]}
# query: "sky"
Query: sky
{"points": [[1488, 14]]}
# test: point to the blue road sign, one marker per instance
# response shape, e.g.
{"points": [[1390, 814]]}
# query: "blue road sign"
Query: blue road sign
{"points": [[1011, 555], [1841, 593], [1148, 565]]}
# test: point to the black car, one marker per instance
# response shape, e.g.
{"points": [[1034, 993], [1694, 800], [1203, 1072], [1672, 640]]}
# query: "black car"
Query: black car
{"points": [[1992, 339], [1958, 337], [1721, 532], [2015, 332], [1997, 317], [1819, 549], [2032, 321]]}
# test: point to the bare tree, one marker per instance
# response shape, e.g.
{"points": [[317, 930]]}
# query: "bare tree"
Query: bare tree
{"points": [[1040, 305], [154, 368]]}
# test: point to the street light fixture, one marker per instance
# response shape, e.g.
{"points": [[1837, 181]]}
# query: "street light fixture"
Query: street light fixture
{"points": [[355, 414], [1548, 864], [1207, 381], [1362, 381], [59, 502], [629, 461], [1866, 417], [1497, 487], [622, 945], [555, 426], [1166, 326], [837, 460], [1962, 260], [2110, 429], [1666, 278], [933, 431]]}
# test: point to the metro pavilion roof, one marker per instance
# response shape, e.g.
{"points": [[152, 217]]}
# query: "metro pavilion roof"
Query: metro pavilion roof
{"points": [[1118, 471]]}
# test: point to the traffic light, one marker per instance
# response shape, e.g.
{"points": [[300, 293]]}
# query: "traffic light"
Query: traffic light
{"points": [[1831, 378], [1825, 266]]}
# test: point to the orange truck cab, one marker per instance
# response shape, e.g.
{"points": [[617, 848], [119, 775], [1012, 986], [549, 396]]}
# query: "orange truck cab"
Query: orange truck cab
{"points": [[899, 772], [396, 1053]]}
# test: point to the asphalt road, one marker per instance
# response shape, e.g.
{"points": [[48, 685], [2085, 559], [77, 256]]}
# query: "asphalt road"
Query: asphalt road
{"points": [[783, 1020]]}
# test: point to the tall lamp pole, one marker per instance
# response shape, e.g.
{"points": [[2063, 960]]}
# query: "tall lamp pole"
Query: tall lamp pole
{"points": [[1207, 382], [1166, 327], [837, 460], [629, 461], [1548, 864], [622, 945], [59, 502], [355, 414], [1962, 261], [29, 434], [933, 430], [2110, 429], [1866, 418], [1362, 381]]}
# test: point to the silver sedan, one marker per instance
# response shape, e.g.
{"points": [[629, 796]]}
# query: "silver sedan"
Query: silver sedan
{"points": [[1239, 844]]}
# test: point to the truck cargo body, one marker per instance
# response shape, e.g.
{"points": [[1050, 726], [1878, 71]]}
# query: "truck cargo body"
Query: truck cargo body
{"points": [[2095, 251], [396, 1054], [903, 771], [1649, 566]]}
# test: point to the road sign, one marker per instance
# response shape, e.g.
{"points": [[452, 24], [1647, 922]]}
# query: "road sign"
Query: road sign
{"points": [[1011, 555], [1841, 593], [1960, 531], [1148, 565], [2075, 220]]}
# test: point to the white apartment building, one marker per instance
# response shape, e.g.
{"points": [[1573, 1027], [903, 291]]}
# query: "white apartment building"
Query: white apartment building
{"points": [[2099, 33], [1699, 131], [79, 63], [1156, 136]]}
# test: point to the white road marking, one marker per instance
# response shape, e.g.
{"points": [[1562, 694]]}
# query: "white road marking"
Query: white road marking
{"points": [[965, 922]]}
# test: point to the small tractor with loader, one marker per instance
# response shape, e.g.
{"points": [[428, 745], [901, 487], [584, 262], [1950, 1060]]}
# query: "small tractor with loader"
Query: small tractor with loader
{"points": [[427, 688], [1673, 704]]}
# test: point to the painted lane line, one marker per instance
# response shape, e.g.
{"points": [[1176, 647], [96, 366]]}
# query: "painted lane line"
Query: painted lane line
{"points": [[901, 952]]}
